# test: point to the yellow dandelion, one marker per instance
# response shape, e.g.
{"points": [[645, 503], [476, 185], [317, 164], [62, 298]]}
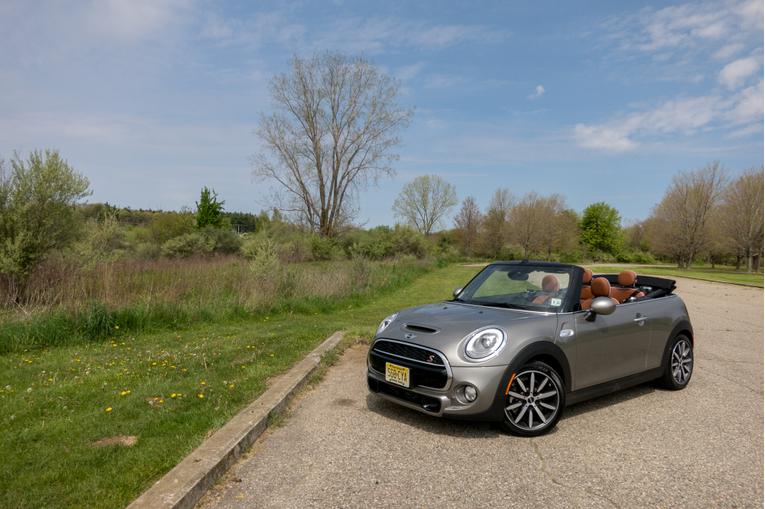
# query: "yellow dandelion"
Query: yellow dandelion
{"points": [[202, 382], [230, 386], [173, 395], [108, 409], [201, 396], [125, 392]]}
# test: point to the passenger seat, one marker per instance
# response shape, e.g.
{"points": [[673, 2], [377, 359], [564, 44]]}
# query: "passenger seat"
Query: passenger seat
{"points": [[626, 288], [600, 288]]}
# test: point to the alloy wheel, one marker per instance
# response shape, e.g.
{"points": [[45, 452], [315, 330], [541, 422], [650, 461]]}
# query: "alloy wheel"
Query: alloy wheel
{"points": [[682, 362], [532, 401]]}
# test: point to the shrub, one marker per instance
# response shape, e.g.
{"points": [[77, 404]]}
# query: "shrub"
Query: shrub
{"points": [[264, 257], [225, 241], [189, 244]]}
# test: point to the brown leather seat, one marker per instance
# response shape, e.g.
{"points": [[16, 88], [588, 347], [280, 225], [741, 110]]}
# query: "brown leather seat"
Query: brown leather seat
{"points": [[600, 288], [550, 284], [626, 288], [586, 291]]}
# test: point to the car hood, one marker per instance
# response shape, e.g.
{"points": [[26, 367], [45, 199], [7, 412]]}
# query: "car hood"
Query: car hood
{"points": [[443, 326]]}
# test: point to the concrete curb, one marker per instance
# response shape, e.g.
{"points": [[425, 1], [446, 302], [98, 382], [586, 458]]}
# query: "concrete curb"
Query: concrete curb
{"points": [[184, 485]]}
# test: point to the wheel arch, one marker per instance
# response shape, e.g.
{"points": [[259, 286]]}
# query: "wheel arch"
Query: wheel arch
{"points": [[682, 327], [547, 352]]}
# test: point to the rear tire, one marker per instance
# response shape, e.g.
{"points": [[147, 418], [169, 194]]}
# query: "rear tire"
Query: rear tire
{"points": [[678, 367], [534, 402]]}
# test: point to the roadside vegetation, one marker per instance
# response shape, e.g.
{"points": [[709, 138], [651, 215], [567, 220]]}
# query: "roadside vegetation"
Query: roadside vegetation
{"points": [[167, 388]]}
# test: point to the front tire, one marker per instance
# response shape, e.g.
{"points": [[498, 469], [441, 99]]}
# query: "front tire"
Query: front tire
{"points": [[678, 367], [534, 401]]}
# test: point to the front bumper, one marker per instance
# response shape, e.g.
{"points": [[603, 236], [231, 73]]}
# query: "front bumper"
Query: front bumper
{"points": [[446, 402]]}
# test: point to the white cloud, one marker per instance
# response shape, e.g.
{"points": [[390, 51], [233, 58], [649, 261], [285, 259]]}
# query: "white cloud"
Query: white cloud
{"points": [[609, 139], [735, 73], [728, 51], [539, 91], [131, 20], [746, 106], [681, 117]]}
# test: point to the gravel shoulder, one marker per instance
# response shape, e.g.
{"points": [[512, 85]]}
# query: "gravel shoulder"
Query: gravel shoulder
{"points": [[701, 447]]}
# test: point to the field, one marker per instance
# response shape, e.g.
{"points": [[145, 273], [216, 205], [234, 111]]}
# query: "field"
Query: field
{"points": [[169, 388], [720, 274]]}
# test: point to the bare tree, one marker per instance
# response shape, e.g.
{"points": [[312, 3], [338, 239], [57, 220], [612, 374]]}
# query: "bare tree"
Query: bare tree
{"points": [[681, 219], [741, 214], [495, 222], [332, 133], [538, 223], [468, 223], [424, 202]]}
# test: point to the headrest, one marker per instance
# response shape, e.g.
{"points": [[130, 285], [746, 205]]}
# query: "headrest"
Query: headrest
{"points": [[550, 283], [627, 278], [587, 276], [601, 287]]}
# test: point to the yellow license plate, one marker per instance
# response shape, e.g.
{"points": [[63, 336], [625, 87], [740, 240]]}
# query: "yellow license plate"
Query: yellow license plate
{"points": [[398, 375]]}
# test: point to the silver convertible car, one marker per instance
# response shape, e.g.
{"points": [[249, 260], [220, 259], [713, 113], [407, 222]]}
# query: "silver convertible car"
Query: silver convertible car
{"points": [[524, 339]]}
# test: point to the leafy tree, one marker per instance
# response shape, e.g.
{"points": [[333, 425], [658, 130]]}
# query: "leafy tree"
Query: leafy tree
{"points": [[332, 133], [424, 202], [209, 209], [601, 228], [37, 212], [168, 225]]}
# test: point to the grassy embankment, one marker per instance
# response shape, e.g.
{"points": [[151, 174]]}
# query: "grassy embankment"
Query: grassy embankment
{"points": [[168, 388]]}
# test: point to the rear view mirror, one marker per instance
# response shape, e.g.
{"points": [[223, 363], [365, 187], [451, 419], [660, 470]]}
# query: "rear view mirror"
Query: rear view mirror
{"points": [[457, 292], [518, 275], [602, 306]]}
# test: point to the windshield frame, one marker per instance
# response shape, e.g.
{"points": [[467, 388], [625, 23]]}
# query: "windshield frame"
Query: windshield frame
{"points": [[570, 299]]}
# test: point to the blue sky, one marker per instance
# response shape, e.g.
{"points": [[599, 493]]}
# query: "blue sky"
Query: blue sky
{"points": [[598, 101]]}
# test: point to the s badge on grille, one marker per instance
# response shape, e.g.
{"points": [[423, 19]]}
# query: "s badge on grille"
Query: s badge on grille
{"points": [[409, 335], [431, 358]]}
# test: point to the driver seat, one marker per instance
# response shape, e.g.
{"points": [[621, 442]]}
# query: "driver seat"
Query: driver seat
{"points": [[550, 285]]}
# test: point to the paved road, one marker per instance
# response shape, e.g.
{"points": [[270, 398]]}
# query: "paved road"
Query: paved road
{"points": [[702, 447]]}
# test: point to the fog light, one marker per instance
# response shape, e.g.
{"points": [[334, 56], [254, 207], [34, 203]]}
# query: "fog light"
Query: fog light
{"points": [[470, 392]]}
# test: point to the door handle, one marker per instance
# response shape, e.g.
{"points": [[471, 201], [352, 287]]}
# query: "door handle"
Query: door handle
{"points": [[640, 320]]}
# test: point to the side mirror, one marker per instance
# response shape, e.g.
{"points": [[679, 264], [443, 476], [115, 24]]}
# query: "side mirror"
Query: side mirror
{"points": [[456, 293], [602, 306]]}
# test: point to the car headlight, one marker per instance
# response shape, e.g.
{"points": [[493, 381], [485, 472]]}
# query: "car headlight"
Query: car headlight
{"points": [[484, 343], [386, 321]]}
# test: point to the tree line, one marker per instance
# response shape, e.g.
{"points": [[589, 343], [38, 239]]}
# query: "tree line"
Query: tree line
{"points": [[704, 216]]}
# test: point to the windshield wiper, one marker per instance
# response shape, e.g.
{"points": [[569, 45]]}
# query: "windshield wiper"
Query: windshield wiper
{"points": [[498, 305]]}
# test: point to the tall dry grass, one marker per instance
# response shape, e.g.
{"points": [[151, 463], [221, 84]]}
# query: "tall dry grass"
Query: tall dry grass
{"points": [[65, 302]]}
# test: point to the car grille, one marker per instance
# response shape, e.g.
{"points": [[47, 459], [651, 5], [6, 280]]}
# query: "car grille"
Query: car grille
{"points": [[426, 368], [408, 352]]}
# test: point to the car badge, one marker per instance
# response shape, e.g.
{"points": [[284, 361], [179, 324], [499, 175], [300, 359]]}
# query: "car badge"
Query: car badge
{"points": [[431, 358], [409, 335]]}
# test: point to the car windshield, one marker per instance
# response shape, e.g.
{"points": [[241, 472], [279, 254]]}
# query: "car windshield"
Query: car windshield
{"points": [[538, 288]]}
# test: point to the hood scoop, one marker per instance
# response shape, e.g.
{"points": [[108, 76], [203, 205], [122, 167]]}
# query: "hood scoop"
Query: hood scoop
{"points": [[420, 328]]}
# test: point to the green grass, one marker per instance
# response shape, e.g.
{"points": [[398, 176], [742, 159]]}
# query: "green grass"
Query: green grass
{"points": [[722, 275], [53, 400]]}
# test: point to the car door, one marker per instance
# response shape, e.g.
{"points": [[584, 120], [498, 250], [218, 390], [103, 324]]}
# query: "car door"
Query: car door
{"points": [[608, 347]]}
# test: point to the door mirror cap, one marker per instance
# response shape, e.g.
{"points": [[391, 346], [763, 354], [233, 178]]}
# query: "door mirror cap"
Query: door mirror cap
{"points": [[457, 291], [602, 306]]}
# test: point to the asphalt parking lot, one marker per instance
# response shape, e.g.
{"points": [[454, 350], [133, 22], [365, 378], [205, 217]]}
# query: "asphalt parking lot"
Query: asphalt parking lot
{"points": [[645, 447]]}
